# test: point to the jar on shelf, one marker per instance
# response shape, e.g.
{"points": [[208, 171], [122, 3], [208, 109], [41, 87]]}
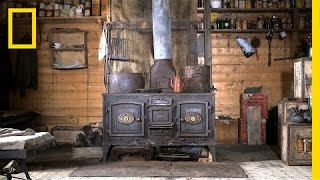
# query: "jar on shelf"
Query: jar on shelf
{"points": [[248, 4], [258, 4], [293, 3], [288, 3], [232, 3], [232, 23], [49, 13], [275, 4], [308, 3], [41, 13], [284, 23], [260, 22], [275, 22], [302, 22], [267, 23], [239, 23], [222, 25], [242, 4], [244, 24], [227, 23], [265, 3], [201, 25], [236, 3], [218, 24]]}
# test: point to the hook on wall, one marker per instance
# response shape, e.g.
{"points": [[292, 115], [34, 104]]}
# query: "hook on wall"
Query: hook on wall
{"points": [[217, 40], [228, 44]]}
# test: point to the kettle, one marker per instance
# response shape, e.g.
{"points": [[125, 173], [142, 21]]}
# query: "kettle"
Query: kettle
{"points": [[177, 84], [245, 45]]}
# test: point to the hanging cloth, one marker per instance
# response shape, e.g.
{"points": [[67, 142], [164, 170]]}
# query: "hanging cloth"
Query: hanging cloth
{"points": [[103, 46], [26, 67]]}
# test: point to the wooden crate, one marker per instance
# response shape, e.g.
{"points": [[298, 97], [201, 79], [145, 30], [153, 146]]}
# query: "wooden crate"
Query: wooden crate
{"points": [[258, 99], [296, 143], [226, 131], [253, 129], [286, 105], [302, 77]]}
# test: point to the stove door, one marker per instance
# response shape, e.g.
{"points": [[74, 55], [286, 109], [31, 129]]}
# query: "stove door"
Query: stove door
{"points": [[193, 118], [126, 119]]}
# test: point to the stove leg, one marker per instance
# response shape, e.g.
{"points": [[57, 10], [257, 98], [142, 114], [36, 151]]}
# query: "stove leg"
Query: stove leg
{"points": [[212, 150], [106, 152]]}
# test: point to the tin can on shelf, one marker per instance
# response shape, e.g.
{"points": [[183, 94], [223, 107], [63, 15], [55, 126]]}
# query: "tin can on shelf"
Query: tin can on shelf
{"points": [[41, 13], [56, 6], [265, 3], [258, 4], [95, 9], [242, 4], [56, 13], [87, 12], [248, 4], [244, 24], [302, 22], [49, 13], [239, 23], [260, 22], [236, 3], [308, 4]]}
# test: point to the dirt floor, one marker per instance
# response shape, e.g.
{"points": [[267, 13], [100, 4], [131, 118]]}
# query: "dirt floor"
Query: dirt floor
{"points": [[241, 161]]}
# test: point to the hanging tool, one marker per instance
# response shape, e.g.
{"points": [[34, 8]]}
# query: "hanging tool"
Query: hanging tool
{"points": [[269, 37], [255, 42], [228, 44]]}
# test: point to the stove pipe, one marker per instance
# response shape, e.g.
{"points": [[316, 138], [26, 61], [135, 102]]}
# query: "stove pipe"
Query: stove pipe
{"points": [[162, 69]]}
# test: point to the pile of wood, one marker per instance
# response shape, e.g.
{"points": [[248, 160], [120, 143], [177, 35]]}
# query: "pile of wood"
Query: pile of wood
{"points": [[91, 136]]}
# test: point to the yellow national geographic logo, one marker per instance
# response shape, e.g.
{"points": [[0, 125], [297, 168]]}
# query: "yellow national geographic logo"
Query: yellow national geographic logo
{"points": [[33, 12]]}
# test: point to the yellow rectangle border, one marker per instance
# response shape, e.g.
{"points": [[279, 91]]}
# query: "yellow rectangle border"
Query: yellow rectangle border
{"points": [[315, 90], [33, 12]]}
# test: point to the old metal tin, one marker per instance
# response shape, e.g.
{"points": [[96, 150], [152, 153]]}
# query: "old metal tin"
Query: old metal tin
{"points": [[125, 82], [42, 13], [96, 10], [49, 13], [87, 12], [197, 79]]}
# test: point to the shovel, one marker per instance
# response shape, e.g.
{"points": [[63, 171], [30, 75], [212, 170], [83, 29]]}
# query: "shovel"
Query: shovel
{"points": [[270, 34]]}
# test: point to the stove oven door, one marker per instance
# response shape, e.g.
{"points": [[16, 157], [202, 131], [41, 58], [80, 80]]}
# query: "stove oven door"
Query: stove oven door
{"points": [[193, 118], [126, 119]]}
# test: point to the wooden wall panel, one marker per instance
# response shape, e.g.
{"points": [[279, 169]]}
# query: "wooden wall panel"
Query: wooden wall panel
{"points": [[232, 72]]}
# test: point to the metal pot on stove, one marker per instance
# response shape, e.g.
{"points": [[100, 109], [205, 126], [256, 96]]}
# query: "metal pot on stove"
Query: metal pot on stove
{"points": [[125, 82], [197, 79]]}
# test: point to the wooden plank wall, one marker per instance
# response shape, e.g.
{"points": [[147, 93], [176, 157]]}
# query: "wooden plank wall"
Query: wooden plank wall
{"points": [[232, 72], [74, 97], [66, 97]]}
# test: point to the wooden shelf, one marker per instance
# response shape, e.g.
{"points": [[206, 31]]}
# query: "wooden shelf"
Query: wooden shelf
{"points": [[305, 10], [60, 20], [253, 30], [68, 49], [253, 10]]}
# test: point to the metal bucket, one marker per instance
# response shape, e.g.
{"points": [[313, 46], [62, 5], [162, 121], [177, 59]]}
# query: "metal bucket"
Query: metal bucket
{"points": [[125, 82], [197, 79]]}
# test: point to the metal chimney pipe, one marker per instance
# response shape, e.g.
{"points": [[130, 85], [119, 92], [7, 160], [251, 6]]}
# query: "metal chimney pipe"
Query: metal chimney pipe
{"points": [[162, 36]]}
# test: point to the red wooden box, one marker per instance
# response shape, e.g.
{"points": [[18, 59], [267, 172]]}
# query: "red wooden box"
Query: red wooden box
{"points": [[253, 100], [243, 132]]}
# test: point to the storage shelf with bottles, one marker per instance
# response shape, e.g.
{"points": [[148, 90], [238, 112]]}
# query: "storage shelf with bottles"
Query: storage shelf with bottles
{"points": [[68, 48], [58, 8], [285, 14]]}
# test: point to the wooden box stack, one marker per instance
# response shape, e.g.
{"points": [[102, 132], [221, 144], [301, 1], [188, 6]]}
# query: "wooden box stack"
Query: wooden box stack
{"points": [[302, 77], [295, 138], [253, 115]]}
